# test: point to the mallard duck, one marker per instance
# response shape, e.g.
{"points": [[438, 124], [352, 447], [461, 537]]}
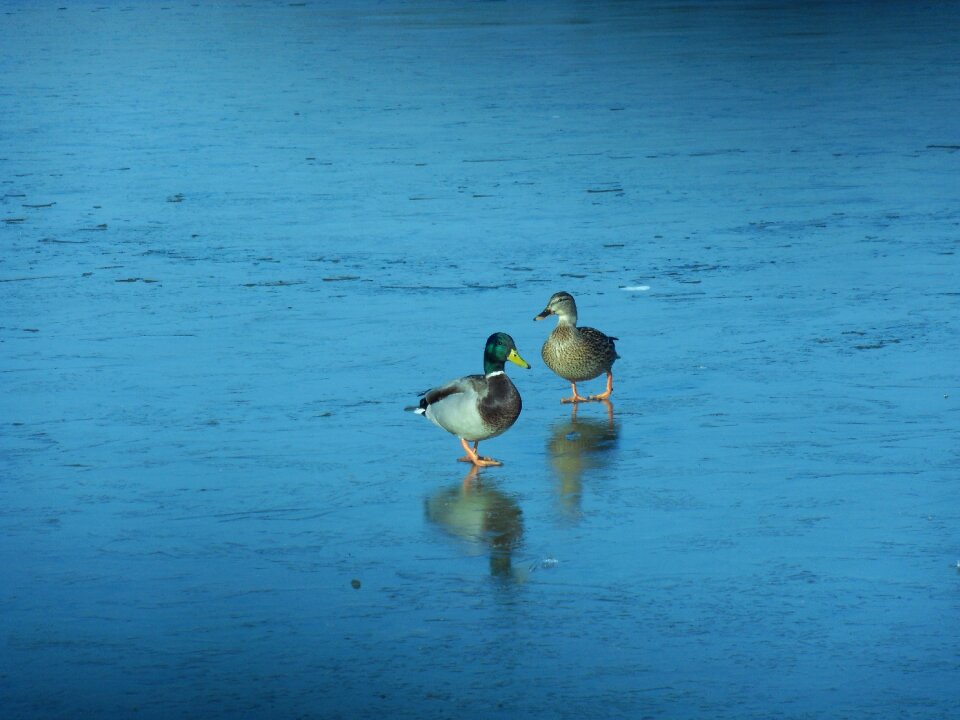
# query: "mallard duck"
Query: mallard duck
{"points": [[577, 353], [478, 407]]}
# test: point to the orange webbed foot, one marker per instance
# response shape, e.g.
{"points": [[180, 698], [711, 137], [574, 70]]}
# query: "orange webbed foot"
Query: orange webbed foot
{"points": [[473, 457], [576, 397], [604, 396]]}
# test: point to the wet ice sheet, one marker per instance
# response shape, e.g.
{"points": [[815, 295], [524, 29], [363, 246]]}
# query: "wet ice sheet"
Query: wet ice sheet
{"points": [[239, 239]]}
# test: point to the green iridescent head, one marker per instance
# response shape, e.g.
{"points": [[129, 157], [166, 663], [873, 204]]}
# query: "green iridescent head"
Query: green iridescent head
{"points": [[500, 348]]}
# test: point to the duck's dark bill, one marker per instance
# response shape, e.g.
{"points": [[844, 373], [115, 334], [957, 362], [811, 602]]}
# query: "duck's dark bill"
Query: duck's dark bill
{"points": [[544, 314]]}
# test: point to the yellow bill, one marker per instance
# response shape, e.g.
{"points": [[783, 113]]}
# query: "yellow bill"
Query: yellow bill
{"points": [[514, 357]]}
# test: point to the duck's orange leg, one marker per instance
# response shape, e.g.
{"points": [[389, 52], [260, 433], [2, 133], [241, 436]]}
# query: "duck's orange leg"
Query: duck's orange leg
{"points": [[468, 458], [605, 395], [473, 457], [576, 397]]}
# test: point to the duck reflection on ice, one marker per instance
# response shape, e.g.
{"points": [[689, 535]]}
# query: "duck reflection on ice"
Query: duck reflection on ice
{"points": [[575, 446], [485, 517]]}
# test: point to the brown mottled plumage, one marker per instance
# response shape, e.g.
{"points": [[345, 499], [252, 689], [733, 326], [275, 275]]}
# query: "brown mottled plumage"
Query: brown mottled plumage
{"points": [[577, 353]]}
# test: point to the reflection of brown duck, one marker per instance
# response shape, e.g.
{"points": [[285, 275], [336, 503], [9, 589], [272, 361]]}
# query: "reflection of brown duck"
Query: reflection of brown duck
{"points": [[483, 516], [575, 446]]}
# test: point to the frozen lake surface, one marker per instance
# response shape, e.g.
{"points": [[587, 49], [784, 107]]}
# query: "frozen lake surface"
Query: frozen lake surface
{"points": [[238, 238]]}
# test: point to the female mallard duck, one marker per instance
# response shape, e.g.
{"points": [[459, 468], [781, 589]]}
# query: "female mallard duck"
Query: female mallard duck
{"points": [[577, 353], [477, 407]]}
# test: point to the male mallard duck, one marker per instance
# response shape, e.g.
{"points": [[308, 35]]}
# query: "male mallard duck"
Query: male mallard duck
{"points": [[477, 407], [576, 353]]}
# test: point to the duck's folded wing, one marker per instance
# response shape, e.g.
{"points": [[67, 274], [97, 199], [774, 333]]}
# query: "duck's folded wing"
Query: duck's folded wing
{"points": [[596, 339], [469, 385]]}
